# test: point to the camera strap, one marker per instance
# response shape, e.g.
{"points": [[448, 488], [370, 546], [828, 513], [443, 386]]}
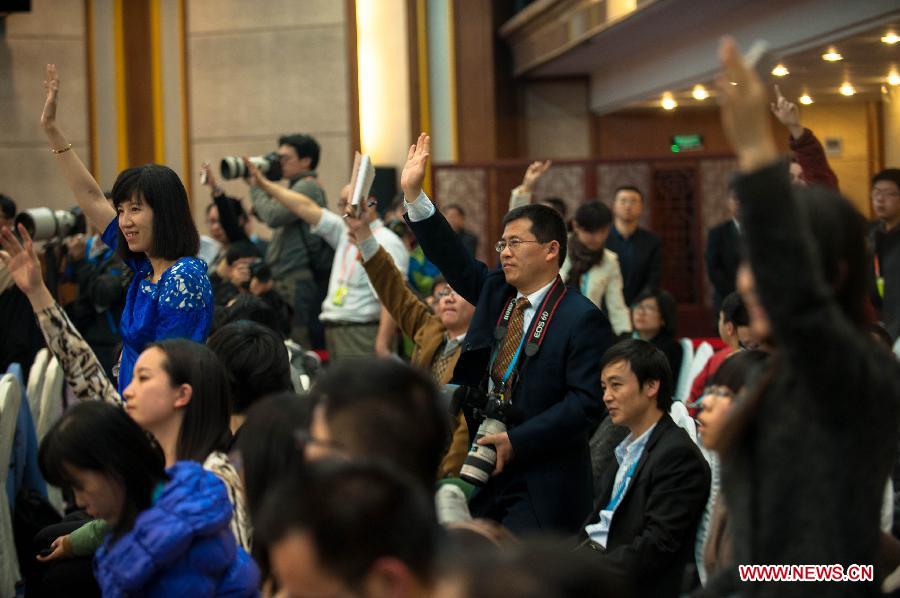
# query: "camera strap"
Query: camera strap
{"points": [[531, 342]]}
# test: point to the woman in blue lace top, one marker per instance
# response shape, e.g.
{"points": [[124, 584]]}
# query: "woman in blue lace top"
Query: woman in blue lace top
{"points": [[150, 224]]}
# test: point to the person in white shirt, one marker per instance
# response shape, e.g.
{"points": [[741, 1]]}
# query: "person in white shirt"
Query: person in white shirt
{"points": [[356, 324]]}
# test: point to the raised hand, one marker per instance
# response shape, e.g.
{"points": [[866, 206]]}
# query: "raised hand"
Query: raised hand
{"points": [[254, 176], [51, 84], [208, 176], [414, 170], [787, 114], [535, 171], [744, 110], [21, 261], [359, 225]]}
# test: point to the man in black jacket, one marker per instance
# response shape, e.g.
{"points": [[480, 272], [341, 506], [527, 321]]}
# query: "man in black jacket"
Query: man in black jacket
{"points": [[723, 254], [638, 249], [654, 493], [542, 476]]}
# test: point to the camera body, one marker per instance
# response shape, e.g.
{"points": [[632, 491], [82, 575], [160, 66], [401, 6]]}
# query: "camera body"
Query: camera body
{"points": [[233, 167], [497, 413], [44, 224]]}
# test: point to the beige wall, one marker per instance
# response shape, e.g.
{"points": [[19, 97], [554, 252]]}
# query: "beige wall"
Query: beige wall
{"points": [[54, 31], [847, 121], [891, 134], [256, 72], [556, 119]]}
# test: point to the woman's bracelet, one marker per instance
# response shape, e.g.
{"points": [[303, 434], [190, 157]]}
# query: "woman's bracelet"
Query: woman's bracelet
{"points": [[61, 151]]}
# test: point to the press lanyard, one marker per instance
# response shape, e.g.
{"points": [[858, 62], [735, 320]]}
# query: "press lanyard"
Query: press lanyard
{"points": [[342, 279], [614, 502], [538, 327]]}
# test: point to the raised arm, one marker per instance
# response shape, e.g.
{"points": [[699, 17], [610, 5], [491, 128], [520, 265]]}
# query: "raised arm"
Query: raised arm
{"points": [[521, 195], [83, 371], [808, 150], [387, 280], [87, 192], [440, 243], [299, 204]]}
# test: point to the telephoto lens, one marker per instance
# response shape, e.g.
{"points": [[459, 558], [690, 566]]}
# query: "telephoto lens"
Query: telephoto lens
{"points": [[233, 167], [44, 224], [481, 460]]}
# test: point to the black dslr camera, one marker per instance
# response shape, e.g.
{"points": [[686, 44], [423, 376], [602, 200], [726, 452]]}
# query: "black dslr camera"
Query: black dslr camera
{"points": [[495, 413]]}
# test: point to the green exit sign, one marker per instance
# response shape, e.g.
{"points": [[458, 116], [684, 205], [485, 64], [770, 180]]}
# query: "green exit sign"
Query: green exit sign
{"points": [[687, 143]]}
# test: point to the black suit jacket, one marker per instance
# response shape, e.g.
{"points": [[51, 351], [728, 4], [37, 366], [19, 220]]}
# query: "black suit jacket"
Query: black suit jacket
{"points": [[651, 537], [645, 269], [723, 255], [469, 241], [558, 392]]}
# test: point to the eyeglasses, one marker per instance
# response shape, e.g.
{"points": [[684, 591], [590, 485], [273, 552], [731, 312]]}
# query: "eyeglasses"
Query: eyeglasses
{"points": [[513, 244], [876, 192], [445, 292], [285, 158], [714, 394]]}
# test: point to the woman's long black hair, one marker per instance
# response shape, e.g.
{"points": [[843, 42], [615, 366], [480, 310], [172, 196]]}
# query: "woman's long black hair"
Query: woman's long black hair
{"points": [[101, 437]]}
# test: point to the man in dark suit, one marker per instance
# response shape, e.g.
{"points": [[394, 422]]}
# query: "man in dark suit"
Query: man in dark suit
{"points": [[723, 254], [653, 494], [542, 477], [638, 249]]}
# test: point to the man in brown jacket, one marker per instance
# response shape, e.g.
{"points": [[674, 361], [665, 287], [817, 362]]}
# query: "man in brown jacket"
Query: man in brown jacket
{"points": [[437, 336]]}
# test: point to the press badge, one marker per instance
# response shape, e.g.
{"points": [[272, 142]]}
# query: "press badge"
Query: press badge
{"points": [[340, 294]]}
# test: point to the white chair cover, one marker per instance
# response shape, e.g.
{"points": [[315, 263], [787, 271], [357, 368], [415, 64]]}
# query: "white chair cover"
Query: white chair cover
{"points": [[683, 384], [36, 382], [51, 400], [10, 399], [51, 409]]}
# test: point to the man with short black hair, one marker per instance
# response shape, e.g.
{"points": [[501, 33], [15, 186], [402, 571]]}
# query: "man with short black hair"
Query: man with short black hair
{"points": [[380, 409], [638, 249], [644, 525], [350, 529], [456, 216], [534, 347], [297, 257], [256, 361], [884, 236]]}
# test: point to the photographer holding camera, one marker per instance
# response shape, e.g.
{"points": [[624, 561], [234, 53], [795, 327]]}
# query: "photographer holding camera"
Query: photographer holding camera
{"points": [[300, 261], [533, 349], [103, 279]]}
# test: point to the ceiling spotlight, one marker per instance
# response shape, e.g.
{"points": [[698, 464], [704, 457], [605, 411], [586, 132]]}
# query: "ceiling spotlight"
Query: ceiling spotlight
{"points": [[847, 89], [893, 77], [890, 38], [700, 92], [832, 55], [780, 70], [668, 102], [806, 100]]}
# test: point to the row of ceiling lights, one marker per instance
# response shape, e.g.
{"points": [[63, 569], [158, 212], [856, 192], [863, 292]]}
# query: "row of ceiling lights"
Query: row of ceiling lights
{"points": [[700, 93]]}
